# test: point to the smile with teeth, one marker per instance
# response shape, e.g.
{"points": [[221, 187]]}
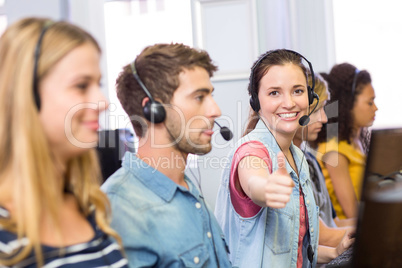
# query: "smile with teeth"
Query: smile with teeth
{"points": [[287, 115]]}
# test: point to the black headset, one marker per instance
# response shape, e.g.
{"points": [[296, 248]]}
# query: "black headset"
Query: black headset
{"points": [[357, 71], [153, 110], [255, 102], [35, 82]]}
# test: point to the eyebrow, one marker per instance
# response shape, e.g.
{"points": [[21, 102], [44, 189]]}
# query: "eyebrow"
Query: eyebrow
{"points": [[276, 88], [204, 90], [80, 78]]}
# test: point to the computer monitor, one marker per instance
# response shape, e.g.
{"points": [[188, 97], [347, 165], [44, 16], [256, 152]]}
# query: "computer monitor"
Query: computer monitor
{"points": [[379, 228], [111, 148]]}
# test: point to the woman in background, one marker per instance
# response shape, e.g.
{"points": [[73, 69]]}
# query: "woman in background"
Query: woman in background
{"points": [[51, 208], [309, 134], [344, 142]]}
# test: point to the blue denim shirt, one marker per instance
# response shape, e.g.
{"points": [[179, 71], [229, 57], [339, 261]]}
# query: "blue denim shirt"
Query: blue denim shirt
{"points": [[162, 224], [270, 238]]}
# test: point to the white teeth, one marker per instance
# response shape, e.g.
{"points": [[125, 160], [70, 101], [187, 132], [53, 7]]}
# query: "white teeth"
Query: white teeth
{"points": [[289, 115]]}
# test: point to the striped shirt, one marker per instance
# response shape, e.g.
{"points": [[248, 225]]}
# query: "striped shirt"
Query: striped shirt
{"points": [[101, 251]]}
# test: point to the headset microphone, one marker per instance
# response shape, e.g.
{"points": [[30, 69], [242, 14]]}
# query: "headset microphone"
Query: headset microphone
{"points": [[305, 119], [225, 132]]}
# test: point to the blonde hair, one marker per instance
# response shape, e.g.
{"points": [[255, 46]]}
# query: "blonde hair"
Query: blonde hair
{"points": [[320, 88], [26, 159]]}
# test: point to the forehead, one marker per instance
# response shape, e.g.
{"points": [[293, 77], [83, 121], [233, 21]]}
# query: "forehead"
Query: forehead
{"points": [[83, 59], [366, 93], [284, 74], [191, 80]]}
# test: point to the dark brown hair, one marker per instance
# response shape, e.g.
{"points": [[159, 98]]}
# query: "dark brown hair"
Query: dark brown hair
{"points": [[340, 83], [159, 67]]}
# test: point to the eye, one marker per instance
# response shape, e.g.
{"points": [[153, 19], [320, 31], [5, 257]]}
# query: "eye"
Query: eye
{"points": [[82, 86], [199, 98], [299, 91], [273, 93]]}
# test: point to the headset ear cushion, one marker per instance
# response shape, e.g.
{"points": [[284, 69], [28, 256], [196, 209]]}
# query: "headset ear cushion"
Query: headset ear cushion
{"points": [[310, 95], [154, 112], [254, 103]]}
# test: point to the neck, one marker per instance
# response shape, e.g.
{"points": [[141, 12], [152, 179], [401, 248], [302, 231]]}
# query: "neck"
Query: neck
{"points": [[357, 133], [284, 141], [60, 171], [156, 152], [297, 141]]}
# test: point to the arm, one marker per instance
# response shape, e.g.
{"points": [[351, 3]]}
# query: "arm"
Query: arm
{"points": [[263, 188], [342, 182], [351, 222], [326, 254], [331, 236]]}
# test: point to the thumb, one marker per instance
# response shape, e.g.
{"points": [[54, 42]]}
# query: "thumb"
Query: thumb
{"points": [[281, 164]]}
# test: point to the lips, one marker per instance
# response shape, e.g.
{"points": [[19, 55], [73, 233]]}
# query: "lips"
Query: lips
{"points": [[208, 132], [93, 125], [288, 116]]}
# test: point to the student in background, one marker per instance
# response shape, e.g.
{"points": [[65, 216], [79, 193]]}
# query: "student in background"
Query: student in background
{"points": [[158, 211], [309, 134], [52, 210], [343, 144]]}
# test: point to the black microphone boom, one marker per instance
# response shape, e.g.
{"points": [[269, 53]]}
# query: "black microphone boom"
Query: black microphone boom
{"points": [[305, 119], [225, 132]]}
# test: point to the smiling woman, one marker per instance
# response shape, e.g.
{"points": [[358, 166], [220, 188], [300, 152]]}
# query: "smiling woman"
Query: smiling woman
{"points": [[265, 199], [50, 199], [72, 101]]}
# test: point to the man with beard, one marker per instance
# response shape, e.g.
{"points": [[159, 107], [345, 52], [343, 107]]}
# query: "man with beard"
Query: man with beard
{"points": [[159, 213]]}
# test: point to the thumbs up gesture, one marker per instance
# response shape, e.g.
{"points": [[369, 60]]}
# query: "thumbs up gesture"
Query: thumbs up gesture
{"points": [[279, 185]]}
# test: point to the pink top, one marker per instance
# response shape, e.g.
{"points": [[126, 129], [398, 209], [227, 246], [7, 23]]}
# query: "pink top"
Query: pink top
{"points": [[243, 205]]}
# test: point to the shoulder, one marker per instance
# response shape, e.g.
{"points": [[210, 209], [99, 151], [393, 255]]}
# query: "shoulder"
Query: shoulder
{"points": [[331, 145], [124, 186]]}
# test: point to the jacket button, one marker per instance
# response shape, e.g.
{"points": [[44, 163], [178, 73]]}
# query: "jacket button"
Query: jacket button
{"points": [[198, 205], [196, 260]]}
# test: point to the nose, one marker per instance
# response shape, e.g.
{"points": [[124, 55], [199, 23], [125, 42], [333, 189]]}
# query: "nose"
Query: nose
{"points": [[100, 99], [213, 110], [323, 116], [288, 101], [375, 107]]}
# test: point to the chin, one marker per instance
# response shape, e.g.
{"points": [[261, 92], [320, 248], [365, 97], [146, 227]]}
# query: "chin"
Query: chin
{"points": [[84, 141], [202, 149]]}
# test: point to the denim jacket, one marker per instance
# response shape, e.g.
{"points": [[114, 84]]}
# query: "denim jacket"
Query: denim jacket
{"points": [[270, 238], [161, 223]]}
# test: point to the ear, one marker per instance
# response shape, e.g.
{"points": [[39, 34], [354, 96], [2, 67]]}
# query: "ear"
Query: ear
{"points": [[144, 101]]}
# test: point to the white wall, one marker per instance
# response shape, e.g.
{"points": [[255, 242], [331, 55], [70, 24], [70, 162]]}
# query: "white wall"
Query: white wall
{"points": [[368, 35]]}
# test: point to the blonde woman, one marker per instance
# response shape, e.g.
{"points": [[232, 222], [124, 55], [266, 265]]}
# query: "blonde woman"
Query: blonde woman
{"points": [[52, 212]]}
